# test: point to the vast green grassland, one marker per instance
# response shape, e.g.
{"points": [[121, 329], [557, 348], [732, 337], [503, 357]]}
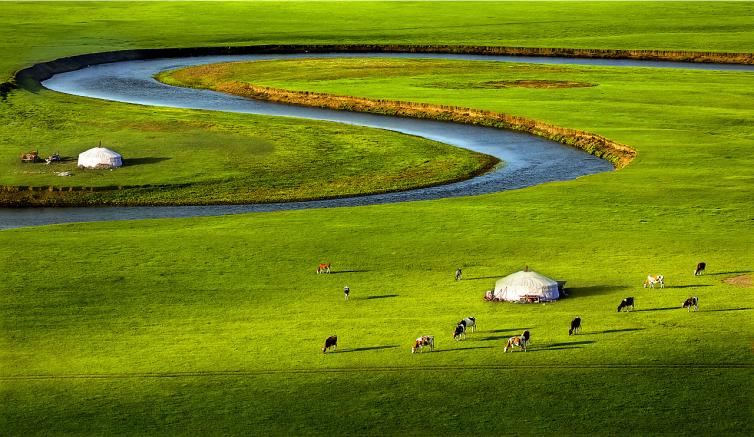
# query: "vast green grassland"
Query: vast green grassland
{"points": [[214, 325]]}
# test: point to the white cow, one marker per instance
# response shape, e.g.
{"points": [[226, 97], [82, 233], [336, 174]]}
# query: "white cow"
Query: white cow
{"points": [[654, 279]]}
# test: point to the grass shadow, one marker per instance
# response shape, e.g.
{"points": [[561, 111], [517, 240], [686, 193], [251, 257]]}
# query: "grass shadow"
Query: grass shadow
{"points": [[142, 161], [383, 296], [364, 349]]}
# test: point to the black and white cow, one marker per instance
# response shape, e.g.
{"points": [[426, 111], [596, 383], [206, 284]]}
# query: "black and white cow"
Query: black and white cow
{"points": [[462, 326], [575, 326], [330, 342], [626, 303], [692, 302]]}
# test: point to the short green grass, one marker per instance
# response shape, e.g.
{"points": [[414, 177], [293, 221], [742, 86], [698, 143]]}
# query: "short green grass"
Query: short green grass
{"points": [[175, 156], [213, 325]]}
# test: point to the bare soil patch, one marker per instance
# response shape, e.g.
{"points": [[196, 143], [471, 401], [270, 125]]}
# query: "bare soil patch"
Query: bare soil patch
{"points": [[743, 281]]}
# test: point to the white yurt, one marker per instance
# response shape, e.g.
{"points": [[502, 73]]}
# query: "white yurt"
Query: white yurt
{"points": [[100, 157], [526, 285]]}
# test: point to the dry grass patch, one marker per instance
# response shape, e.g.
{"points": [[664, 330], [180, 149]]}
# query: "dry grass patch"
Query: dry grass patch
{"points": [[742, 281]]}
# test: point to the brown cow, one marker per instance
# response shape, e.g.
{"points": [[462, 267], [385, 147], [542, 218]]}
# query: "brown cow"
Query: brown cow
{"points": [[424, 340], [323, 268], [518, 341]]}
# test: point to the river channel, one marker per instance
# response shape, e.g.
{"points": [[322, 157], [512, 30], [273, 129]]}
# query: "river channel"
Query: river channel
{"points": [[528, 160]]}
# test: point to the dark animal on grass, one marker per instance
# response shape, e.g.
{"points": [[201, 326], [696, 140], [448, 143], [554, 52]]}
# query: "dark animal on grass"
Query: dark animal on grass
{"points": [[521, 341], [330, 343], [575, 326], [692, 302], [458, 332], [700, 269], [654, 279], [323, 268], [458, 274], [424, 340], [627, 303]]}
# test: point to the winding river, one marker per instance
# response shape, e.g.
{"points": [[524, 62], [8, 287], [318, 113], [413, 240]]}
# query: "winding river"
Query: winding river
{"points": [[528, 160]]}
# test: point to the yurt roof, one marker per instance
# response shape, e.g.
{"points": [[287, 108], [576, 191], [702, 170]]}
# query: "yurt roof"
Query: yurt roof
{"points": [[529, 279], [97, 152]]}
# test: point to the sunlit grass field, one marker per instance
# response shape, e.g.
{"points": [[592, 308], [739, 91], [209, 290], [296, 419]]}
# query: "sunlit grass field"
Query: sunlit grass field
{"points": [[214, 325]]}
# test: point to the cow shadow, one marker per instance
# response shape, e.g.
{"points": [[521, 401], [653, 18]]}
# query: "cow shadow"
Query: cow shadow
{"points": [[462, 349], [741, 272], [348, 271], [479, 278], [495, 337], [383, 296], [364, 349], [129, 162], [572, 343], [612, 331], [728, 309], [514, 330], [690, 286], [658, 309]]}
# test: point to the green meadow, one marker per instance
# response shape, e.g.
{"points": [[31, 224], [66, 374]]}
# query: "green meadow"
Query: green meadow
{"points": [[214, 325]]}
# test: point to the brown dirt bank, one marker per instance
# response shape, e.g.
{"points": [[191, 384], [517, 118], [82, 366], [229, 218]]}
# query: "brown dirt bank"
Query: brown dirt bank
{"points": [[618, 154]]}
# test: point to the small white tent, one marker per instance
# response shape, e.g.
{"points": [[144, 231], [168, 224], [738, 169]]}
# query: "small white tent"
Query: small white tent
{"points": [[100, 157], [526, 285]]}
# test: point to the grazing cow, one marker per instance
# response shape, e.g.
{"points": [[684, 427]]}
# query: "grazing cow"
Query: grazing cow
{"points": [[521, 341], [575, 326], [700, 269], [460, 330], [626, 303], [323, 268], [425, 340], [330, 342], [458, 274], [469, 322], [693, 301], [654, 279]]}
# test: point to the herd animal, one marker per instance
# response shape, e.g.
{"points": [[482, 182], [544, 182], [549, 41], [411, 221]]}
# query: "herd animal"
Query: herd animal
{"points": [[654, 279], [700, 268], [575, 326], [692, 302], [462, 326], [331, 342], [520, 341], [424, 340]]}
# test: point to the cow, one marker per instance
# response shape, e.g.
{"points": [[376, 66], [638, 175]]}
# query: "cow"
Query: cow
{"points": [[700, 269], [654, 279], [575, 326], [460, 330], [458, 274], [469, 322], [330, 342], [323, 268], [693, 301], [521, 341], [626, 303], [424, 340]]}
